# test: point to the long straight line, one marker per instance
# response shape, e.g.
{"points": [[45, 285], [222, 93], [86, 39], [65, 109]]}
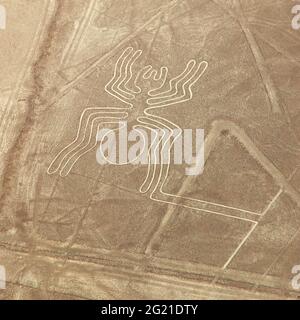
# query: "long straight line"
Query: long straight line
{"points": [[89, 70], [240, 245]]}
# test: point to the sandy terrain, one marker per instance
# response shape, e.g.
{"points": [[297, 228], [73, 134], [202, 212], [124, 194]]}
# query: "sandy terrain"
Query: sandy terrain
{"points": [[91, 231]]}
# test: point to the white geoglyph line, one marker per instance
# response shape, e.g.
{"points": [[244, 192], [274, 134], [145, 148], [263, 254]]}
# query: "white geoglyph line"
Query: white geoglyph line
{"points": [[163, 78], [251, 230], [82, 151], [272, 202], [146, 123], [173, 83], [124, 163], [2, 17], [117, 79], [162, 179], [196, 78], [269, 206], [239, 246], [136, 89], [81, 137], [179, 91], [128, 73], [142, 71], [173, 88], [184, 96]]}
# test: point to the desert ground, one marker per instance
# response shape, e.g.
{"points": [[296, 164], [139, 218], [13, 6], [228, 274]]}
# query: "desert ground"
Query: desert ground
{"points": [[89, 231]]}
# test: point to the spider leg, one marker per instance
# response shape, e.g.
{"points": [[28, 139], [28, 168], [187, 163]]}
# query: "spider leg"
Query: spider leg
{"points": [[84, 126]]}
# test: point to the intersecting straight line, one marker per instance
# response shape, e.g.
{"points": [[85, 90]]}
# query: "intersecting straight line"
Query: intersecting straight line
{"points": [[255, 286], [125, 24], [77, 37], [227, 207], [86, 73], [272, 202], [85, 209], [89, 70], [251, 230], [138, 194], [282, 251], [84, 212], [240, 245], [150, 31], [263, 214]]}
